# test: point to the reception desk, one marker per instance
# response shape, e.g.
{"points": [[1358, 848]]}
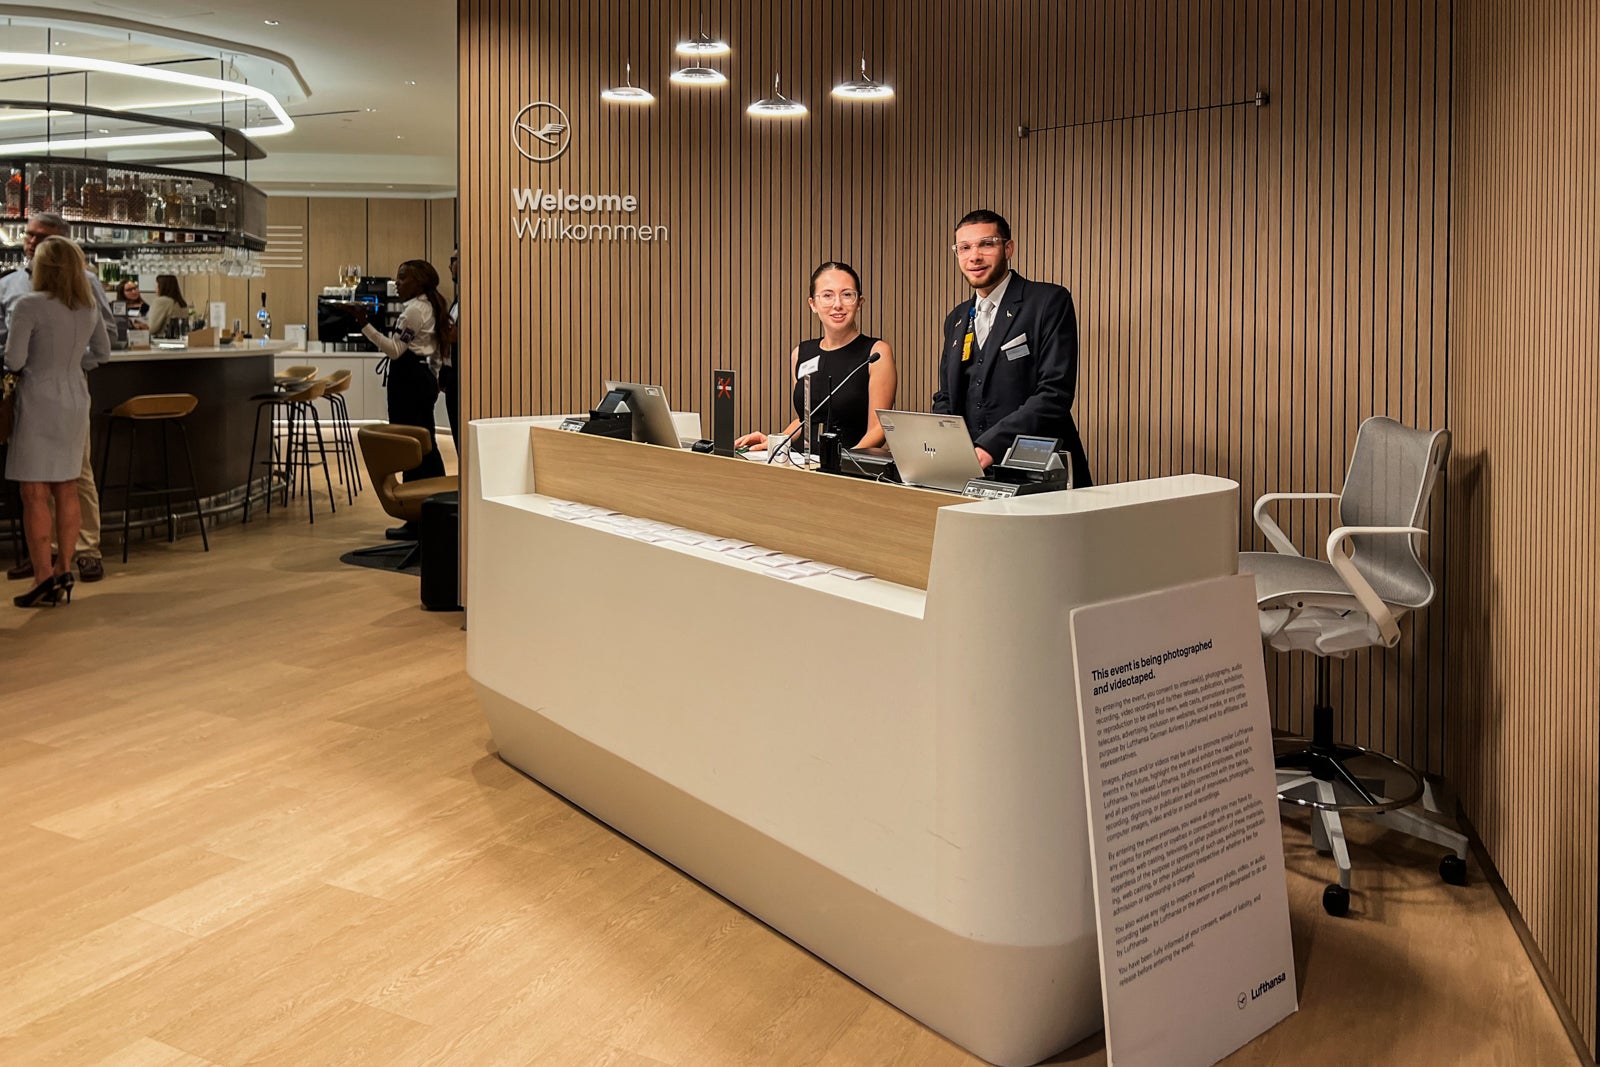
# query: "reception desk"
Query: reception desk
{"points": [[885, 771]]}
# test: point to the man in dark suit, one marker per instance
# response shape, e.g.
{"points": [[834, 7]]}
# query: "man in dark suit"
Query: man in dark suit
{"points": [[1009, 364]]}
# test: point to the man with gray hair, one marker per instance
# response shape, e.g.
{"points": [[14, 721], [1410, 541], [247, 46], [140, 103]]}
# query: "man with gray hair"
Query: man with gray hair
{"points": [[14, 287]]}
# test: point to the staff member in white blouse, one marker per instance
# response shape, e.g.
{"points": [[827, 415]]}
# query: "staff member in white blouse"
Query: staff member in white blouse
{"points": [[412, 353]]}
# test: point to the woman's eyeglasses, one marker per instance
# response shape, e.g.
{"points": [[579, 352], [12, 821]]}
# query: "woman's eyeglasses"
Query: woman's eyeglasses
{"points": [[844, 298]]}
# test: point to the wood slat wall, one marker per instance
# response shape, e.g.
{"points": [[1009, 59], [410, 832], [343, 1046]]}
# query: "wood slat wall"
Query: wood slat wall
{"points": [[1525, 496], [1251, 283]]}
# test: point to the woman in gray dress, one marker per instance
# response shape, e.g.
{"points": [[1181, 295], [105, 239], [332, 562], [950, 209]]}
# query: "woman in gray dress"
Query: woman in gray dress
{"points": [[56, 334]]}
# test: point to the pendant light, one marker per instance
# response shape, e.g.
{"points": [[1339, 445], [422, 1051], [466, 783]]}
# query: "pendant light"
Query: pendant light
{"points": [[702, 44], [705, 76], [776, 106], [627, 92], [863, 88]]}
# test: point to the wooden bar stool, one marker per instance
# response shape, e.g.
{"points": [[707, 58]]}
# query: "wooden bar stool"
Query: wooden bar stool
{"points": [[295, 459], [168, 409], [334, 387], [291, 378]]}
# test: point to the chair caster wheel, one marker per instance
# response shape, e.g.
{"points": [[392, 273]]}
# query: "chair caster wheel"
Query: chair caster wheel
{"points": [[1453, 869], [1336, 900]]}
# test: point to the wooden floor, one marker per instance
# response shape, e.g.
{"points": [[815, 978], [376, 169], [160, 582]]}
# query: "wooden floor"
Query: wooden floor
{"points": [[249, 814]]}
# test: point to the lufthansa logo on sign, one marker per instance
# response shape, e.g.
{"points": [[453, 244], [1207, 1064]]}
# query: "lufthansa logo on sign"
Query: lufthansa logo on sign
{"points": [[541, 132]]}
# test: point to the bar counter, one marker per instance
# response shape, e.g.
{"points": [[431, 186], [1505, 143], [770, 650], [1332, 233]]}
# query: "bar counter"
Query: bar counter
{"points": [[220, 429]]}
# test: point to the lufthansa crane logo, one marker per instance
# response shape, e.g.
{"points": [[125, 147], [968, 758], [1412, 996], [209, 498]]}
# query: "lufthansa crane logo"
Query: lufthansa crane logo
{"points": [[541, 132]]}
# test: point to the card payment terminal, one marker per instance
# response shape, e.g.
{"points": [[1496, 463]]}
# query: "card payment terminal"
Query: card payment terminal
{"points": [[1031, 465]]}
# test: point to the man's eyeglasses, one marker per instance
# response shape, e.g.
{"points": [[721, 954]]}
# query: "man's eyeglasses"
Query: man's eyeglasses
{"points": [[987, 244], [844, 297]]}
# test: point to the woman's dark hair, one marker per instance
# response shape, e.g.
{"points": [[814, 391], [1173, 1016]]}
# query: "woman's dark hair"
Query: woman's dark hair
{"points": [[423, 272], [122, 287], [167, 286], [834, 265]]}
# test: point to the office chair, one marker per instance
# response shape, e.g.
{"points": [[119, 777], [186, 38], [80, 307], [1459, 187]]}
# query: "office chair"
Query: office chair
{"points": [[1355, 599], [388, 450]]}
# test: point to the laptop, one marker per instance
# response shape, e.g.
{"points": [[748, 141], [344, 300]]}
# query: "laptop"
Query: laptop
{"points": [[932, 451]]}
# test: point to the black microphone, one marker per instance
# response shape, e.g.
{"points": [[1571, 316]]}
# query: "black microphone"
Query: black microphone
{"points": [[831, 394]]}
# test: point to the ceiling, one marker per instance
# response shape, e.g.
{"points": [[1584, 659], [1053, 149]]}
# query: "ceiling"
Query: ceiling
{"points": [[371, 85]]}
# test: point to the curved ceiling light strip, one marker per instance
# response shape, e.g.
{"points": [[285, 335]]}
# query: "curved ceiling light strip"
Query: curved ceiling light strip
{"points": [[132, 70]]}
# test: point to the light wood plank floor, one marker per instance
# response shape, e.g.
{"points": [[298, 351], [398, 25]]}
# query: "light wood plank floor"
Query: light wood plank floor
{"points": [[251, 815]]}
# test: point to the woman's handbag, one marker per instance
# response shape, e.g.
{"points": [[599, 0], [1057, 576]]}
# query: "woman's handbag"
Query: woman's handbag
{"points": [[8, 403]]}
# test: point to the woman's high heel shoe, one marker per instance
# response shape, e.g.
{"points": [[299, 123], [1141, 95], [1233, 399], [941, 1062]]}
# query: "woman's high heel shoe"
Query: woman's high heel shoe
{"points": [[43, 593], [64, 584]]}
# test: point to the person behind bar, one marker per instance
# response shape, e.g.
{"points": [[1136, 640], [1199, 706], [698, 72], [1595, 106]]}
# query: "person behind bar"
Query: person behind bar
{"points": [[833, 361], [409, 354], [168, 304], [1009, 364], [128, 293], [450, 354], [56, 334], [13, 287]]}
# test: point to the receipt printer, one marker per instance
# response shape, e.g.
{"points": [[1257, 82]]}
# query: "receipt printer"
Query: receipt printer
{"points": [[612, 418], [1031, 465]]}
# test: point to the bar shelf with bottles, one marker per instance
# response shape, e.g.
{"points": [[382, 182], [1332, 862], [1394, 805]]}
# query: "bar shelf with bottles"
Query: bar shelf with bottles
{"points": [[122, 207]]}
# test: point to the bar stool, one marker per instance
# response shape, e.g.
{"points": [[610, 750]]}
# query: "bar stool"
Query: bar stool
{"points": [[334, 387], [295, 458], [291, 378], [168, 409]]}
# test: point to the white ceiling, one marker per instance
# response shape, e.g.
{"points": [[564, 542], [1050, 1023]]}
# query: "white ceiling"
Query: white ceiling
{"points": [[360, 125]]}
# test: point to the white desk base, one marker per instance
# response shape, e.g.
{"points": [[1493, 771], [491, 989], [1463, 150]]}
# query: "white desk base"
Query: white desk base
{"points": [[911, 811]]}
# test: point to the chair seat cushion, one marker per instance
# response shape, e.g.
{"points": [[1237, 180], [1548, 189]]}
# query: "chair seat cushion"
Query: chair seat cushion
{"points": [[410, 495], [1280, 577]]}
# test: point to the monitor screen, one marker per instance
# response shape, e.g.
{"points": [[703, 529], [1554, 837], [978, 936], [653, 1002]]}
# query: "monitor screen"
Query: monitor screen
{"points": [[652, 419]]}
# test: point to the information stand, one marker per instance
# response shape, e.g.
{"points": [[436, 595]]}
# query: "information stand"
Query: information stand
{"points": [[1190, 900]]}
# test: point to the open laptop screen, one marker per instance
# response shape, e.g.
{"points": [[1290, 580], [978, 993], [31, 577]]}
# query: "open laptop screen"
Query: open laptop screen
{"points": [[933, 451]]}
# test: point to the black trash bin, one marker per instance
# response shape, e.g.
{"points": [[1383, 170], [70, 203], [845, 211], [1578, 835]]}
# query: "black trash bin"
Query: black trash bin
{"points": [[441, 545]]}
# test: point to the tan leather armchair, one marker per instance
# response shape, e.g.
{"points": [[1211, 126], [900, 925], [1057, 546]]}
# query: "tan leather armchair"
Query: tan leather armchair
{"points": [[388, 450]]}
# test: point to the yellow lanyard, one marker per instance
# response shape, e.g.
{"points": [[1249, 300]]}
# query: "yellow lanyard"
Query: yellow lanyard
{"points": [[966, 345]]}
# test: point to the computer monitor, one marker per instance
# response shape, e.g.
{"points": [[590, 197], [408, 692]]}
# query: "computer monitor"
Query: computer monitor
{"points": [[652, 419]]}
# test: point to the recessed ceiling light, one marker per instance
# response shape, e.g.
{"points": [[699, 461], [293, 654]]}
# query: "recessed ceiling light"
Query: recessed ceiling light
{"points": [[369, 110], [270, 22], [399, 137], [102, 130], [388, 187], [410, 82]]}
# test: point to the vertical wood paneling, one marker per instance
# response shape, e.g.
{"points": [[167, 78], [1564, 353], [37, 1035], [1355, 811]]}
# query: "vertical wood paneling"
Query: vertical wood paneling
{"points": [[1525, 495], [397, 230], [1251, 285]]}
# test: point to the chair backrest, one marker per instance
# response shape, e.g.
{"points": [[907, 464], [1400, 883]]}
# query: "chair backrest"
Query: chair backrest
{"points": [[1390, 482], [387, 450], [297, 373]]}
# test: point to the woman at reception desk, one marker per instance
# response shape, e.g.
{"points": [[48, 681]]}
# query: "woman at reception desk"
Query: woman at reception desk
{"points": [[834, 361]]}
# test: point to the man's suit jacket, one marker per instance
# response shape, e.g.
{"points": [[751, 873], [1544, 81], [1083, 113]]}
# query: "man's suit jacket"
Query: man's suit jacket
{"points": [[1026, 388]]}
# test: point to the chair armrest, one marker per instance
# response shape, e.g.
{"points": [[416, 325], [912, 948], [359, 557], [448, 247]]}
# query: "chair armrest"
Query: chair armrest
{"points": [[1360, 588], [1266, 525]]}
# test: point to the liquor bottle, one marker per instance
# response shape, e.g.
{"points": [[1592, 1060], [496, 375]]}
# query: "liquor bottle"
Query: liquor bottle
{"points": [[14, 189], [41, 197], [264, 318], [155, 207]]}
